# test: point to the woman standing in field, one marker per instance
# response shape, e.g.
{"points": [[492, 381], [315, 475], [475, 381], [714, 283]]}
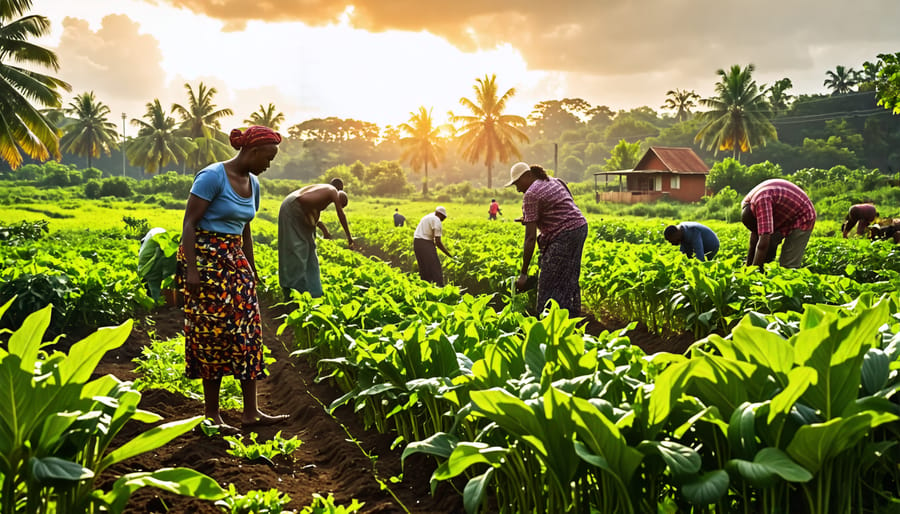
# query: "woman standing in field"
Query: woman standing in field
{"points": [[548, 206], [222, 328]]}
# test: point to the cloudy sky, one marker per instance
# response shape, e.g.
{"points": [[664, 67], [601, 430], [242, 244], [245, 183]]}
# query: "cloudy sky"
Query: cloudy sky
{"points": [[378, 60]]}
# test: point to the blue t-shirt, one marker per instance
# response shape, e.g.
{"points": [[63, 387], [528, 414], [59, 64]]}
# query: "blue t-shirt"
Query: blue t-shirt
{"points": [[228, 212], [698, 240]]}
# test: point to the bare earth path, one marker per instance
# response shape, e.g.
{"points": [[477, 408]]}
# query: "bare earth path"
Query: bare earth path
{"points": [[327, 461]]}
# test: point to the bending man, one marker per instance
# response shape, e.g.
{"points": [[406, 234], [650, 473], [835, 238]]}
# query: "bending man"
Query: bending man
{"points": [[774, 211], [298, 218]]}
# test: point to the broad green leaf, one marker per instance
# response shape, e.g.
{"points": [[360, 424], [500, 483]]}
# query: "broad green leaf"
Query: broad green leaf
{"points": [[150, 440], [767, 466], [439, 444], [52, 470], [681, 459], [835, 347], [467, 454], [511, 414], [742, 430], [26, 341], [707, 488], [603, 439], [814, 445], [84, 355], [799, 379], [183, 481], [876, 369], [759, 346], [473, 494]]}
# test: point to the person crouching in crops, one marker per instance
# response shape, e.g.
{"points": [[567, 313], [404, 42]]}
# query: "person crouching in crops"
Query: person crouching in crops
{"points": [[548, 206], [862, 213], [222, 328]]}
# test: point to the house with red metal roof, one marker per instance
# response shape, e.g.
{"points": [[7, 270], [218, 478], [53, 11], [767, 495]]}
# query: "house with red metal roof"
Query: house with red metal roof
{"points": [[663, 172]]}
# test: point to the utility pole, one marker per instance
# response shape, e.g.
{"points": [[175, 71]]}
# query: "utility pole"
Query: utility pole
{"points": [[123, 143], [555, 160]]}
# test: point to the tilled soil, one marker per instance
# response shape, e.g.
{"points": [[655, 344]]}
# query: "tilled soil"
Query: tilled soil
{"points": [[338, 454], [328, 461]]}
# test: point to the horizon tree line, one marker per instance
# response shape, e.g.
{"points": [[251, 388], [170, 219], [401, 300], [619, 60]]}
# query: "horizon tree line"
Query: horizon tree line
{"points": [[737, 120]]}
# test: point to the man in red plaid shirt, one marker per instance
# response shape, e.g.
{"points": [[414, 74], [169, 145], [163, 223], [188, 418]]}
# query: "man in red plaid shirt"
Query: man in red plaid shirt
{"points": [[775, 211]]}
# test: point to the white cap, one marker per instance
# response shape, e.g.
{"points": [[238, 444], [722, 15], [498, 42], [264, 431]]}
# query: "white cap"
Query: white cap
{"points": [[441, 210], [515, 173]]}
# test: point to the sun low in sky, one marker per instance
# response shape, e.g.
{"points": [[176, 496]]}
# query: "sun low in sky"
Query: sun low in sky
{"points": [[378, 60]]}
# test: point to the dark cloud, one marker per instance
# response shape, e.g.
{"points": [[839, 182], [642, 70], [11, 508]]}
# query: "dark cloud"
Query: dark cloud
{"points": [[605, 37]]}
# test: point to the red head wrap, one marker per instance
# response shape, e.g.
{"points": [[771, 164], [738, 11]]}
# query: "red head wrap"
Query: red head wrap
{"points": [[254, 136]]}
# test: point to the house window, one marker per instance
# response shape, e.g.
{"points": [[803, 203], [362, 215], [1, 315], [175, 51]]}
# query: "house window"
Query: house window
{"points": [[657, 183], [675, 182]]}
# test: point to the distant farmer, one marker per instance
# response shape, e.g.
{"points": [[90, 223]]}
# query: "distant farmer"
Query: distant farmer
{"points": [[862, 213], [426, 241], [153, 263], [298, 218], [774, 211], [548, 206], [399, 219], [696, 239], [493, 210]]}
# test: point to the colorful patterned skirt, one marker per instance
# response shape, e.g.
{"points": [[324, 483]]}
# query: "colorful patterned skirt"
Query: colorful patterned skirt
{"points": [[560, 271], [222, 327]]}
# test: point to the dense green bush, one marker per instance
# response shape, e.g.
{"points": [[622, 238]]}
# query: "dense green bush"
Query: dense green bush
{"points": [[170, 182], [121, 187], [92, 189]]}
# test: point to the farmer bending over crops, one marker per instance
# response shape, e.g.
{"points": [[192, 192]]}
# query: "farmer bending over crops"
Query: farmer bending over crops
{"points": [[548, 206], [862, 213], [222, 329], [774, 211], [298, 218], [426, 241], [696, 239]]}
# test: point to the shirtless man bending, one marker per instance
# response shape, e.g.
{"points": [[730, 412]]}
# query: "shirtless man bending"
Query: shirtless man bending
{"points": [[298, 218]]}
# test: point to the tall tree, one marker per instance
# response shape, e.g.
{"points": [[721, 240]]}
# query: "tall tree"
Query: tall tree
{"points": [[88, 132], [887, 82], [423, 146], [624, 155], [553, 117], [22, 125], [201, 121], [841, 80], [158, 142], [738, 116], [488, 133], [778, 97], [267, 117], [681, 101]]}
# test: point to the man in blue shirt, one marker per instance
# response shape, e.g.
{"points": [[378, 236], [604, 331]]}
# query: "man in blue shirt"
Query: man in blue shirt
{"points": [[695, 239]]}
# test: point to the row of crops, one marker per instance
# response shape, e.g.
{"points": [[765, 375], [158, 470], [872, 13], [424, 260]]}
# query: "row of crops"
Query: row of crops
{"points": [[527, 414], [539, 417]]}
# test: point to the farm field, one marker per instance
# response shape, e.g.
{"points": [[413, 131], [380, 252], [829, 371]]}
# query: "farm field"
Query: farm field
{"points": [[395, 359]]}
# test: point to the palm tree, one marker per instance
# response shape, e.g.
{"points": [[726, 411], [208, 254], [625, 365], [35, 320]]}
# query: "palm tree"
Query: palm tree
{"points": [[682, 101], [267, 117], [158, 142], [422, 147], [87, 132], [201, 121], [22, 125], [778, 98], [738, 116], [488, 132], [841, 80]]}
